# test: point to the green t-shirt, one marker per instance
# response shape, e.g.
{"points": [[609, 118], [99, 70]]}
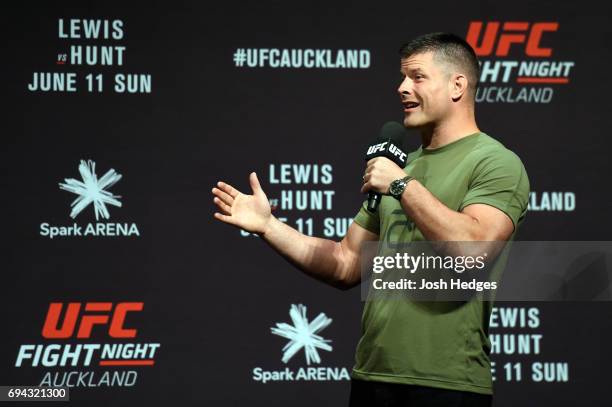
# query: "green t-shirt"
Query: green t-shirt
{"points": [[439, 344]]}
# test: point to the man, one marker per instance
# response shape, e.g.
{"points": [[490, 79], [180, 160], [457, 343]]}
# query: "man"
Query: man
{"points": [[461, 185]]}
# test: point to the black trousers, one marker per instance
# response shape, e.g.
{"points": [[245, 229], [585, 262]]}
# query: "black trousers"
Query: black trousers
{"points": [[379, 394]]}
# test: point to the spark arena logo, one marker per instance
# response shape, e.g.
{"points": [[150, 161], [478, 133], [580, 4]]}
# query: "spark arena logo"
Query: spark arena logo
{"points": [[91, 191], [71, 348], [533, 78], [302, 335]]}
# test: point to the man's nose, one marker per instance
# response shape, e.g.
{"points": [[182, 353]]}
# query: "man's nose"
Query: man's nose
{"points": [[404, 88]]}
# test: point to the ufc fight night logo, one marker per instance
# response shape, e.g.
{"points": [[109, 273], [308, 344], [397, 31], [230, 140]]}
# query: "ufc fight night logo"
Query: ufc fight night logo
{"points": [[67, 332], [517, 63]]}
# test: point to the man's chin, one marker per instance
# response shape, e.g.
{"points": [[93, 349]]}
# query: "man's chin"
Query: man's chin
{"points": [[410, 123]]}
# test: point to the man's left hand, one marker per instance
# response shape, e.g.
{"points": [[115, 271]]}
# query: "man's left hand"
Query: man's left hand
{"points": [[379, 174]]}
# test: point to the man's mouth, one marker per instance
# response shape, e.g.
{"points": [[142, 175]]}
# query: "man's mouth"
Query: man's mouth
{"points": [[409, 106]]}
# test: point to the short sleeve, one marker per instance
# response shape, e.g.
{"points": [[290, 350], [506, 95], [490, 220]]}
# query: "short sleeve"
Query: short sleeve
{"points": [[368, 220], [500, 180]]}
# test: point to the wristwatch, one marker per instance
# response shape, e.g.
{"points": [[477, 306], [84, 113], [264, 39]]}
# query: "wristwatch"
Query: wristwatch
{"points": [[397, 187]]}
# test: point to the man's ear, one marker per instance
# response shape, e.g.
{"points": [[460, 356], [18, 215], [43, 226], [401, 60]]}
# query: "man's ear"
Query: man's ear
{"points": [[458, 86]]}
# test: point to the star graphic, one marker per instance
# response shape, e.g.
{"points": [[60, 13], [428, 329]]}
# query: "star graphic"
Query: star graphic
{"points": [[303, 334], [92, 190]]}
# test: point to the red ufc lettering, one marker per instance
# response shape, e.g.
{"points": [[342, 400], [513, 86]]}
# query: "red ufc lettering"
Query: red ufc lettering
{"points": [[88, 321], [517, 32]]}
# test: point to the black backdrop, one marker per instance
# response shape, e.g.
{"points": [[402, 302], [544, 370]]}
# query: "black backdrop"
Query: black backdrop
{"points": [[210, 294]]}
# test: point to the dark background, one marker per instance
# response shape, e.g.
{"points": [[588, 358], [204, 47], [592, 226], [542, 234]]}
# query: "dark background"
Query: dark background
{"points": [[210, 294]]}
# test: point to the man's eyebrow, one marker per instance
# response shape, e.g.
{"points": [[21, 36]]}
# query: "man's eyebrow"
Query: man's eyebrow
{"points": [[417, 69]]}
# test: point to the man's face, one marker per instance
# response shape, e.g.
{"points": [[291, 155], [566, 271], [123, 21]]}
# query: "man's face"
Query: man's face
{"points": [[424, 92]]}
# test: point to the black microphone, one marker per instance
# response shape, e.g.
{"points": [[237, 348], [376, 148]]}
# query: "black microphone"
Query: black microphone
{"points": [[390, 144]]}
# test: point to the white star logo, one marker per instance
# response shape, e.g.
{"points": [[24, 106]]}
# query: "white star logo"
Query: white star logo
{"points": [[92, 190], [303, 334]]}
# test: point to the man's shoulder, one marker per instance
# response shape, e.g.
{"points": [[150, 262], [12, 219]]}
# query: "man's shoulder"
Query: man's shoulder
{"points": [[486, 142], [488, 148]]}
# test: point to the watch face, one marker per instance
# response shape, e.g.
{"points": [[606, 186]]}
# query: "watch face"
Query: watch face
{"points": [[395, 187]]}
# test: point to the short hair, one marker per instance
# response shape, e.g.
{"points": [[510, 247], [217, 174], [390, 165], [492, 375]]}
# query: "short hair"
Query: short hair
{"points": [[449, 48]]}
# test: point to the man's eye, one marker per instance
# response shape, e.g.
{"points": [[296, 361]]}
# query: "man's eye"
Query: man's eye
{"points": [[419, 76]]}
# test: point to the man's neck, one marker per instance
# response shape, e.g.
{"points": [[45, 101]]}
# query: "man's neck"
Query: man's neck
{"points": [[439, 135]]}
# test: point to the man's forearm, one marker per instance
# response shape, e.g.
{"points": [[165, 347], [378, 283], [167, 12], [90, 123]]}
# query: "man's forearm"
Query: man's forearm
{"points": [[319, 258], [435, 220]]}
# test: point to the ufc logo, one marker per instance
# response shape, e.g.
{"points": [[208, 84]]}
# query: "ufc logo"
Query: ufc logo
{"points": [[393, 149], [376, 147], [87, 321], [512, 33]]}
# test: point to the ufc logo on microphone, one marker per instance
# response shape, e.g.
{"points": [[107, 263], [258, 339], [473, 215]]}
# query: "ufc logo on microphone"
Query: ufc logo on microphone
{"points": [[393, 149], [95, 313], [516, 32], [376, 147]]}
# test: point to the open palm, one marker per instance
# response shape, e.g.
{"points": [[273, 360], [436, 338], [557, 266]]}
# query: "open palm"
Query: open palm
{"points": [[249, 212]]}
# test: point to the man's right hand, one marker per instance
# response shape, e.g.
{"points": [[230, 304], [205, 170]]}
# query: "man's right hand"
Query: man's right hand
{"points": [[249, 212]]}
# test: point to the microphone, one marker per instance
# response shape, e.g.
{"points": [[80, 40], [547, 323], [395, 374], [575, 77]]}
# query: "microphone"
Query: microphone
{"points": [[390, 144]]}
